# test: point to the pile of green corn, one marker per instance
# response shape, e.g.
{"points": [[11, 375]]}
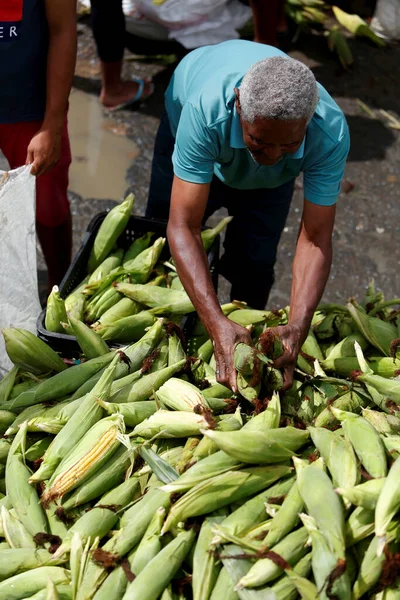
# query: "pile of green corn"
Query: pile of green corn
{"points": [[134, 474]]}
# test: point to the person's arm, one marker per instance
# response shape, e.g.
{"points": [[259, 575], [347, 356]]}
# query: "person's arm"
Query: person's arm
{"points": [[188, 203], [45, 147], [311, 266]]}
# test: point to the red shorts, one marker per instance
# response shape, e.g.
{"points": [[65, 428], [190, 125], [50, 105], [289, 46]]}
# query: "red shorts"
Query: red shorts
{"points": [[52, 205]]}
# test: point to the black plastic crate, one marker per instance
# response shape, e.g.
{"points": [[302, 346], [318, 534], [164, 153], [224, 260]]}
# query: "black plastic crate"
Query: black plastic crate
{"points": [[137, 226]]}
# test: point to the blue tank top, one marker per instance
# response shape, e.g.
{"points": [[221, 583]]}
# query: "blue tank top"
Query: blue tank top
{"points": [[23, 57]]}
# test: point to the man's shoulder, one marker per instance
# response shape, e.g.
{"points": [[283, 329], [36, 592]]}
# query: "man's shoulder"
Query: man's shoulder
{"points": [[329, 122]]}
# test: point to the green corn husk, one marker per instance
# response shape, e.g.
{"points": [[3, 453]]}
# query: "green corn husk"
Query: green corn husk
{"points": [[284, 588], [384, 424], [274, 445], [286, 519], [338, 43], [248, 367], [359, 525], [324, 564], [75, 303], [350, 401], [91, 344], [64, 383], [161, 356], [370, 570], [29, 353], [88, 413], [205, 567], [166, 563], [211, 466], [110, 263], [132, 412], [268, 419], [388, 504], [357, 26], [365, 494], [124, 308], [137, 246], [18, 560], [38, 449], [126, 329], [103, 516], [141, 267], [23, 496], [4, 450], [15, 533], [176, 352], [56, 313], [250, 316], [324, 506], [160, 300], [217, 391], [344, 349], [338, 454], [114, 586], [379, 333], [365, 441], [208, 235], [392, 445], [291, 549], [219, 491], [109, 231], [224, 587], [64, 592], [177, 394], [171, 424], [150, 544], [27, 584], [7, 384], [6, 419], [147, 385]]}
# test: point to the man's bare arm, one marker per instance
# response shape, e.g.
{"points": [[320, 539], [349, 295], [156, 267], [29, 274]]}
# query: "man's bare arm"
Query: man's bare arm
{"points": [[311, 266], [188, 204]]}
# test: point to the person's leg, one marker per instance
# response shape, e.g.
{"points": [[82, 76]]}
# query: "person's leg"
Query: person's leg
{"points": [[162, 173], [252, 239], [53, 216], [108, 25]]}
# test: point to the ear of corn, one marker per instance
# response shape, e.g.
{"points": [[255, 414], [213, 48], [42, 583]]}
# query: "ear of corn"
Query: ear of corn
{"points": [[224, 587], [166, 423], [15, 533], [78, 425], [388, 503], [255, 447], [359, 525], [208, 235], [286, 518], [268, 419], [219, 491], [23, 497], [110, 263], [292, 548], [180, 395], [26, 351], [91, 344], [137, 246], [7, 383], [126, 329], [133, 412], [370, 570], [18, 560], [124, 308], [205, 568], [141, 267], [365, 494], [100, 442], [55, 312], [150, 544], [166, 563], [160, 300], [27, 584], [379, 333], [365, 441], [344, 349], [109, 231], [176, 352], [338, 455]]}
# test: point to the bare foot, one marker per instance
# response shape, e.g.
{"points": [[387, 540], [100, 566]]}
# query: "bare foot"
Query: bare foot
{"points": [[124, 92]]}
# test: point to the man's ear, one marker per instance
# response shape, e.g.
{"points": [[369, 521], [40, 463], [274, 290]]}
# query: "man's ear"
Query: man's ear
{"points": [[237, 102]]}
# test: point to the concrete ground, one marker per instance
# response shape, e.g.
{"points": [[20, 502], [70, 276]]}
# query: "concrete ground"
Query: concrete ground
{"points": [[368, 217]]}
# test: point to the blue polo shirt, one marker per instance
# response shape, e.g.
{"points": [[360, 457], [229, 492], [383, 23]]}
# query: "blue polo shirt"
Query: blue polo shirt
{"points": [[200, 102]]}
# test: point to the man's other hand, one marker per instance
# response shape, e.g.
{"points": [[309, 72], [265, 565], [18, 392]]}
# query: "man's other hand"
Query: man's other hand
{"points": [[291, 337]]}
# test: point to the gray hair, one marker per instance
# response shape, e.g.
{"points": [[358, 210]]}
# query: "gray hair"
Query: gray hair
{"points": [[278, 88]]}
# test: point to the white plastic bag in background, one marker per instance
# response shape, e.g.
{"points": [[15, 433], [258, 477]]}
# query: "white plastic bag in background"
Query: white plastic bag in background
{"points": [[386, 20], [19, 298]]}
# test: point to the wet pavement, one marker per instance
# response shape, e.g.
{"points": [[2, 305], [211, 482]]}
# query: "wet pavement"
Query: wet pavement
{"points": [[113, 155]]}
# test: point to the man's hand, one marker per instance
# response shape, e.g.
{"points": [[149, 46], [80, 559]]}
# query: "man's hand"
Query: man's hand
{"points": [[291, 337], [225, 338], [44, 151]]}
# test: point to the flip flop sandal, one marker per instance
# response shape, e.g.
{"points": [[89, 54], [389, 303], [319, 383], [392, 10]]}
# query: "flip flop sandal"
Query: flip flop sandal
{"points": [[138, 96]]}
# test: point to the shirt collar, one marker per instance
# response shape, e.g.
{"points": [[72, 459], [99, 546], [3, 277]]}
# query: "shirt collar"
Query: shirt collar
{"points": [[237, 141]]}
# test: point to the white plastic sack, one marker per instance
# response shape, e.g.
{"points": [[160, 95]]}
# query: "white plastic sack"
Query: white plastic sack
{"points": [[19, 298], [386, 20], [193, 23]]}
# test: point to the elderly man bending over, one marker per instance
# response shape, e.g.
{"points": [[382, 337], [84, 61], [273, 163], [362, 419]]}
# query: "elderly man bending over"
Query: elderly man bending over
{"points": [[242, 121]]}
